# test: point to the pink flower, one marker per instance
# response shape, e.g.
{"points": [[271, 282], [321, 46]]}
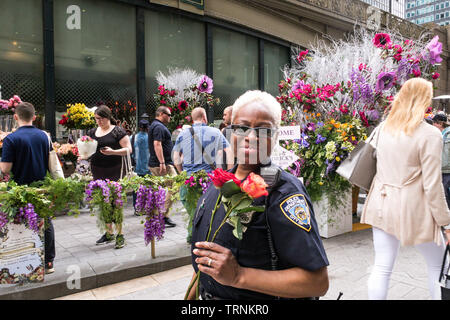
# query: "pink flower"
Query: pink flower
{"points": [[417, 72], [435, 75], [302, 55], [381, 40]]}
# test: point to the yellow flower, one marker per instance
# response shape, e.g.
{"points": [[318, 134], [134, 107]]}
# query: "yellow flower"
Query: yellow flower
{"points": [[320, 183], [338, 159]]}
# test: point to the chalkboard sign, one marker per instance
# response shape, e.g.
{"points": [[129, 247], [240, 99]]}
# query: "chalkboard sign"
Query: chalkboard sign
{"points": [[200, 4]]}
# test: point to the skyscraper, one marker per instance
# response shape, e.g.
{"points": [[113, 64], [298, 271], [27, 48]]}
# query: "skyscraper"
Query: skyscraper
{"points": [[424, 11], [395, 7]]}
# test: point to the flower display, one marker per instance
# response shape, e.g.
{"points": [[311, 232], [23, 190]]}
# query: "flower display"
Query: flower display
{"points": [[108, 198], [182, 91], [7, 107], [338, 92], [77, 117], [67, 151]]}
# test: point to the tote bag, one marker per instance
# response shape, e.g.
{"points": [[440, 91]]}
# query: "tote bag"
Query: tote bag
{"points": [[444, 277], [127, 167], [360, 166]]}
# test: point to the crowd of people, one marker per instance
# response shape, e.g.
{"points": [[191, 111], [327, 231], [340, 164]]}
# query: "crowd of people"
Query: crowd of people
{"points": [[407, 204]]}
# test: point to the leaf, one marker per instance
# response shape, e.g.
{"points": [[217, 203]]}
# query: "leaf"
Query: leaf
{"points": [[249, 209], [230, 188], [237, 231]]}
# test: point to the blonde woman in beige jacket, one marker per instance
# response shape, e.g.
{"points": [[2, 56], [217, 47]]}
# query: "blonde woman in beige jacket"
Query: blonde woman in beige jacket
{"points": [[406, 203]]}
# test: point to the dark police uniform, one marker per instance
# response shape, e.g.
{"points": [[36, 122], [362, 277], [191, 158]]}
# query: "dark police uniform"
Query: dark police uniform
{"points": [[294, 233]]}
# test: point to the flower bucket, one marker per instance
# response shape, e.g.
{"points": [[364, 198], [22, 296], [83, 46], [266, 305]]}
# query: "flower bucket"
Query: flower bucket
{"points": [[331, 220], [86, 146]]}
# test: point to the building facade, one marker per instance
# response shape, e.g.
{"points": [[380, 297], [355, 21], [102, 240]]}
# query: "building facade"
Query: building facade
{"points": [[395, 7], [426, 11]]}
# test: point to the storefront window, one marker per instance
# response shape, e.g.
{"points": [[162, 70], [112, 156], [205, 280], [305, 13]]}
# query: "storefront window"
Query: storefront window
{"points": [[171, 41], [21, 51], [275, 58], [235, 69], [95, 54]]}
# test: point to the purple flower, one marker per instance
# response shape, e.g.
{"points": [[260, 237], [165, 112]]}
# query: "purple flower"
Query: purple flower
{"points": [[385, 81], [3, 219], [320, 139], [302, 142], [298, 85], [205, 84], [373, 115], [154, 227], [311, 126], [434, 49], [330, 166]]}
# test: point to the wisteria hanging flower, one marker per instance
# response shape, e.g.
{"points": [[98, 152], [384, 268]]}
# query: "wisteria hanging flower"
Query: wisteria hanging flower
{"points": [[205, 84]]}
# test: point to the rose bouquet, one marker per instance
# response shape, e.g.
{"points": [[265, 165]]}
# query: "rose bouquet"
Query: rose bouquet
{"points": [[237, 198], [86, 146]]}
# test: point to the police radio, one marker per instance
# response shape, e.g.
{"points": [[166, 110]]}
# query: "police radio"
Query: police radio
{"points": [[271, 175]]}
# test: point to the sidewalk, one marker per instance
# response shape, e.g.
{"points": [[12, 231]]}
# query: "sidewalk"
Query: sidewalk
{"points": [[97, 266], [131, 273]]}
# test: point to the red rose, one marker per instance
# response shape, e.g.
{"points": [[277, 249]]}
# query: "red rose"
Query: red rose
{"points": [[435, 75], [220, 176], [254, 186]]}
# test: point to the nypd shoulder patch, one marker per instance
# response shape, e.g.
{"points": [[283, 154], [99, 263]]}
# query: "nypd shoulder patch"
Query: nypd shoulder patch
{"points": [[296, 209]]}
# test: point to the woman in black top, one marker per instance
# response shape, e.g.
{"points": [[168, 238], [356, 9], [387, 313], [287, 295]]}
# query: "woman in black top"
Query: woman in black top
{"points": [[106, 163]]}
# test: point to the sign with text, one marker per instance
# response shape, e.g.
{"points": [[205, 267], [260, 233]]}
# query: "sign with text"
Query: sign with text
{"points": [[289, 133], [21, 255], [200, 4], [282, 157]]}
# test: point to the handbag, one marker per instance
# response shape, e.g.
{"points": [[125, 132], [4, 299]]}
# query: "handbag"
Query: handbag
{"points": [[360, 166], [126, 164], [444, 277], [54, 166]]}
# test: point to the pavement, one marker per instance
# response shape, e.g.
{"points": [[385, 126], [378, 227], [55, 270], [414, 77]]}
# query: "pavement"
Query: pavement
{"points": [[87, 271]]}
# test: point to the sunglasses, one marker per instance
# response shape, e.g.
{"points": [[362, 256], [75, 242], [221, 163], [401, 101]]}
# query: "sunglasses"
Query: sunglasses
{"points": [[167, 114], [260, 132]]}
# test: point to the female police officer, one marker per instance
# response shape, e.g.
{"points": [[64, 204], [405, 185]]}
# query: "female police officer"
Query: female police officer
{"points": [[281, 253]]}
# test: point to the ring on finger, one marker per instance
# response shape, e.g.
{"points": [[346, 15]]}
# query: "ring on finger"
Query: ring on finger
{"points": [[209, 262]]}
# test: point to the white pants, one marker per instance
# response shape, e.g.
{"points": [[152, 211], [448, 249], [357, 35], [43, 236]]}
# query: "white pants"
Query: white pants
{"points": [[386, 248]]}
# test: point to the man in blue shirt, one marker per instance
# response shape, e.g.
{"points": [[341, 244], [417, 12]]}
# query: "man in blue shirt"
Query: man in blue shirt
{"points": [[205, 152], [160, 148], [198, 148], [25, 154]]}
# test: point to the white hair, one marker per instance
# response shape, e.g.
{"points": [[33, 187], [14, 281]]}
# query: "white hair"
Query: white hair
{"points": [[264, 99]]}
